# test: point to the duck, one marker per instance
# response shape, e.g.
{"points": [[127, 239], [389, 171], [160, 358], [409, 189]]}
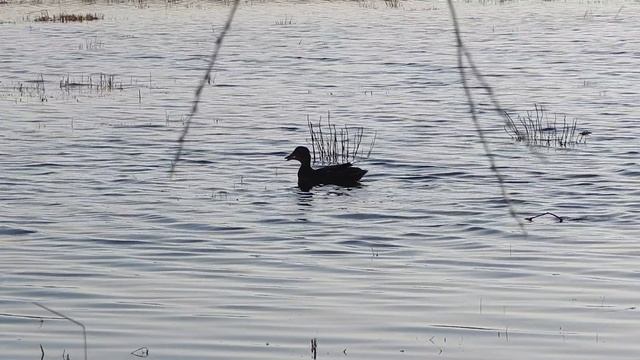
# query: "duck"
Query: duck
{"points": [[342, 174]]}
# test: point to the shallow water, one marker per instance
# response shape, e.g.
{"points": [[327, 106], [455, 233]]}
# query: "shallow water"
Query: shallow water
{"points": [[229, 260]]}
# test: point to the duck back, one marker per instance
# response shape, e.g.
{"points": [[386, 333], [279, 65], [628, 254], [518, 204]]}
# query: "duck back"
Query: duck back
{"points": [[342, 174]]}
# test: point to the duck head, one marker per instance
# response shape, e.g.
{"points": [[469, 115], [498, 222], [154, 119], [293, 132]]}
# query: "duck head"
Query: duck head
{"points": [[301, 154]]}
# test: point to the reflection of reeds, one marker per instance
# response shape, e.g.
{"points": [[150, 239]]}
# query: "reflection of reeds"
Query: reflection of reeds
{"points": [[27, 89], [335, 145], [64, 18], [91, 44], [367, 4], [535, 128]]}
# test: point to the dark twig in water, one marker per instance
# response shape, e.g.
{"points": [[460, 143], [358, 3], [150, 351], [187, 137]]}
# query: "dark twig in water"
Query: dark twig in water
{"points": [[141, 352], [203, 82], [314, 347], [41, 318], [84, 329], [559, 218], [42, 351], [464, 53]]}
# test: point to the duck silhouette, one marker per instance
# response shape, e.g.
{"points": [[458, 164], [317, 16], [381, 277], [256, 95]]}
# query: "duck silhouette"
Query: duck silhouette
{"points": [[308, 177]]}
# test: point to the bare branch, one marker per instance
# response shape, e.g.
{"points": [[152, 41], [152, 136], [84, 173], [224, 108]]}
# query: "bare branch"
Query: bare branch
{"points": [[464, 53], [203, 81]]}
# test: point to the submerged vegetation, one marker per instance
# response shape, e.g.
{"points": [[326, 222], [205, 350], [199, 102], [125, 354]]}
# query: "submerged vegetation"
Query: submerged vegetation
{"points": [[537, 129], [331, 144]]}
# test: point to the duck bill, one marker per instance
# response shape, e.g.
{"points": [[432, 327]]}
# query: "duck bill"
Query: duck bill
{"points": [[290, 157]]}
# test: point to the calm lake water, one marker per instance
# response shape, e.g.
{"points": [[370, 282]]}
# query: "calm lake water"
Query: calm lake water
{"points": [[229, 260]]}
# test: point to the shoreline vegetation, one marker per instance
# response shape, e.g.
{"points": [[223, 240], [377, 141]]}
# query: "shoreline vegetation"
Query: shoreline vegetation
{"points": [[66, 18]]}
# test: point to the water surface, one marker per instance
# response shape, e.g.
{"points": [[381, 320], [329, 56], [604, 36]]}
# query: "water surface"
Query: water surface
{"points": [[228, 260]]}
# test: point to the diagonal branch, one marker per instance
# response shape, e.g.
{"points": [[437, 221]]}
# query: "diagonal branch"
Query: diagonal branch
{"points": [[203, 81], [464, 53]]}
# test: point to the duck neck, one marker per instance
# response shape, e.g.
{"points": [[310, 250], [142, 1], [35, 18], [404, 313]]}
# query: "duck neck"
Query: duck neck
{"points": [[305, 164]]}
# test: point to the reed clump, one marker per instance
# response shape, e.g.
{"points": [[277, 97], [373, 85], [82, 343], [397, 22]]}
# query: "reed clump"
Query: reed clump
{"points": [[394, 4], [286, 21], [66, 18], [96, 82], [536, 128], [331, 144], [25, 90]]}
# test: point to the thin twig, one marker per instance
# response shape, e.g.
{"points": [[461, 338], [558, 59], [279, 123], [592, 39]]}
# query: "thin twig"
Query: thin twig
{"points": [[462, 51], [559, 218], [84, 329], [203, 81], [314, 348], [141, 352]]}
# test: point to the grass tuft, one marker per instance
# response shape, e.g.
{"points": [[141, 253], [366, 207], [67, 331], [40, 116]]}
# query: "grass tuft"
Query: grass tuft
{"points": [[65, 18], [394, 4], [537, 129], [331, 144]]}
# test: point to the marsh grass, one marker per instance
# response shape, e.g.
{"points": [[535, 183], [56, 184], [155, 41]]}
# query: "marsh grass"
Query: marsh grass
{"points": [[27, 89], [73, 85], [538, 129], [331, 144], [97, 82], [394, 4], [102, 82], [66, 18], [286, 21]]}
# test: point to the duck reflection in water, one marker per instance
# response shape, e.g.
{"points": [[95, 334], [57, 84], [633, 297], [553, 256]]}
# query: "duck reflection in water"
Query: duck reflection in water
{"points": [[305, 200], [308, 177]]}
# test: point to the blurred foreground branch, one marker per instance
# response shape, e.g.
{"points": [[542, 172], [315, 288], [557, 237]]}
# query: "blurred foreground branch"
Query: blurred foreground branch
{"points": [[463, 54], [203, 81]]}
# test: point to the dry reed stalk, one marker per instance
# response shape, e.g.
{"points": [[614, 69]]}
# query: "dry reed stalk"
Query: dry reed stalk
{"points": [[540, 131], [331, 144]]}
